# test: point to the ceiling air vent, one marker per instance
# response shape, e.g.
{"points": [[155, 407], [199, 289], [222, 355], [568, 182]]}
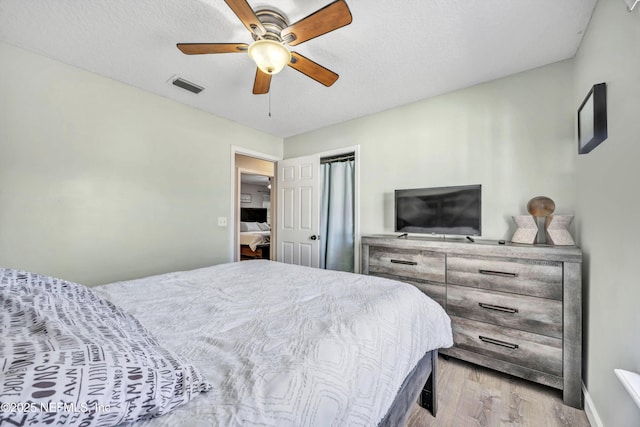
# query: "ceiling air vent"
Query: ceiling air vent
{"points": [[186, 85]]}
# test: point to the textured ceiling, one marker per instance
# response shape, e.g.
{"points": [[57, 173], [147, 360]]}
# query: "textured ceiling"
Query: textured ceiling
{"points": [[393, 53]]}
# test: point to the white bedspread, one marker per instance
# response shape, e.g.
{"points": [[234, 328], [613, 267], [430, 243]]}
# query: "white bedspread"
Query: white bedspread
{"points": [[286, 345], [254, 238]]}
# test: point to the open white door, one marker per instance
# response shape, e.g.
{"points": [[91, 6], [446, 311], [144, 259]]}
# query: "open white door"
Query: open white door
{"points": [[298, 211]]}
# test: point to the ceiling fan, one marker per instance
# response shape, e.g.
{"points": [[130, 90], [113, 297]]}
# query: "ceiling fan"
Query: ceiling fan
{"points": [[271, 34]]}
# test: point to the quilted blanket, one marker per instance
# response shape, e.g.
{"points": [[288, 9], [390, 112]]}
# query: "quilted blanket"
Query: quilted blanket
{"points": [[286, 345]]}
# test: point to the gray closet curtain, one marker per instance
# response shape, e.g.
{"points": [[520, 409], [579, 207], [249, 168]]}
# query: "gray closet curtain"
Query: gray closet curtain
{"points": [[337, 216]]}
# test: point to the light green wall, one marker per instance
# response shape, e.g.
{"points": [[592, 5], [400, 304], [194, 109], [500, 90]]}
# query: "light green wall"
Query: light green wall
{"points": [[608, 207], [100, 181], [515, 136]]}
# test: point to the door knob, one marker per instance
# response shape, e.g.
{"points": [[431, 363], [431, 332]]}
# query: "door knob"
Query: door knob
{"points": [[314, 237]]}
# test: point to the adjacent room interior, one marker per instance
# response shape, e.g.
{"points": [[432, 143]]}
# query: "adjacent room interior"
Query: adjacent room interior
{"points": [[112, 173]]}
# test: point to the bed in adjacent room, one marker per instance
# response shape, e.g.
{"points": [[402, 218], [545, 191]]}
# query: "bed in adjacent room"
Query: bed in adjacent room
{"points": [[255, 234], [254, 343]]}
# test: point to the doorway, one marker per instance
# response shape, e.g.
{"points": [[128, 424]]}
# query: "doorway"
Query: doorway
{"points": [[252, 207], [255, 216]]}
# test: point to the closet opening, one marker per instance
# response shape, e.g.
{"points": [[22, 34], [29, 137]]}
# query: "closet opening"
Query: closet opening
{"points": [[338, 212]]}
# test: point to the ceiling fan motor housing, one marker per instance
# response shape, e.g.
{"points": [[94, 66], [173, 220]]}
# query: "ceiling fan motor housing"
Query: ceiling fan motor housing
{"points": [[273, 22]]}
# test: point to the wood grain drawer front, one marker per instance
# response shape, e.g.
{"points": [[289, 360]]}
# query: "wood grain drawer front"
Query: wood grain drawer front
{"points": [[535, 278], [435, 291], [533, 351], [537, 315], [423, 265]]}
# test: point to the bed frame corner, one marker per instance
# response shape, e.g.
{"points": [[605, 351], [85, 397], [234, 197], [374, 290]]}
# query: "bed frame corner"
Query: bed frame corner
{"points": [[428, 396]]}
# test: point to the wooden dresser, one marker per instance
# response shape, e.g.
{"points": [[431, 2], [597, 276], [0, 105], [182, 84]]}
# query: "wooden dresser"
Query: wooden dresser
{"points": [[514, 308]]}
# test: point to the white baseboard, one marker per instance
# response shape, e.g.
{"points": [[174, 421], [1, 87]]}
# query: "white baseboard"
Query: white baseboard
{"points": [[590, 409]]}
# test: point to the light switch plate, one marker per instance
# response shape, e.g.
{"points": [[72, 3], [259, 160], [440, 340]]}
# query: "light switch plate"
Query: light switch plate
{"points": [[222, 221]]}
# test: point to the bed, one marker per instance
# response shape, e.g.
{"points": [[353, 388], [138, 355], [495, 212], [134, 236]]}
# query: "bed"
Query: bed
{"points": [[255, 343], [255, 234]]}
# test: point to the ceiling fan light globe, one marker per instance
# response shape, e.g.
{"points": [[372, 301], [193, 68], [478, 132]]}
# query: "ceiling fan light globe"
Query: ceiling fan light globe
{"points": [[269, 55]]}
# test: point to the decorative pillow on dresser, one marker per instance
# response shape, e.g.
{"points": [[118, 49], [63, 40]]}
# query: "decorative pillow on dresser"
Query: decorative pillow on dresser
{"points": [[69, 356]]}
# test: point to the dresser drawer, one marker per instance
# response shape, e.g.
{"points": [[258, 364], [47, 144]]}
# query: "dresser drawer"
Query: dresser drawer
{"points": [[423, 265], [435, 291], [537, 315], [538, 352], [535, 278]]}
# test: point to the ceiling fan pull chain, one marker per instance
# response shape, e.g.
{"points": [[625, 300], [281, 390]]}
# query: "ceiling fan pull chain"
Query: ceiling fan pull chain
{"points": [[269, 103]]}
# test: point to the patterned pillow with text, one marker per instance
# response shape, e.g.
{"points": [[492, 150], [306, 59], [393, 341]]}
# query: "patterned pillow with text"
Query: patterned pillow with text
{"points": [[69, 356]]}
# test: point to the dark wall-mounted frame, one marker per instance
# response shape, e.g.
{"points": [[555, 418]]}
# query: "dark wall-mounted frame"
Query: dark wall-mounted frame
{"points": [[592, 119]]}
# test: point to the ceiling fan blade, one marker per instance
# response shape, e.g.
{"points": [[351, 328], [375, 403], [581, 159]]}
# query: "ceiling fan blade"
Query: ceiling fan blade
{"points": [[261, 83], [246, 14], [312, 69], [201, 48], [325, 20]]}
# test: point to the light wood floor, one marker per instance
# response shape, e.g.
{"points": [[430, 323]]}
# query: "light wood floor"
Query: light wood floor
{"points": [[469, 395]]}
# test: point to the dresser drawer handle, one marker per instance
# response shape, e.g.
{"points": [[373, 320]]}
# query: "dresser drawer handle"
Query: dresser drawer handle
{"points": [[498, 308], [498, 342], [497, 273], [399, 261]]}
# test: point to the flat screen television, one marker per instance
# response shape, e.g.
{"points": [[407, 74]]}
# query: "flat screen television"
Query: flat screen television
{"points": [[441, 210]]}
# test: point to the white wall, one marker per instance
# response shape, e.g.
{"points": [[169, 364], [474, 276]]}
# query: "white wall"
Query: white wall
{"points": [[514, 136], [259, 195], [100, 181], [608, 206]]}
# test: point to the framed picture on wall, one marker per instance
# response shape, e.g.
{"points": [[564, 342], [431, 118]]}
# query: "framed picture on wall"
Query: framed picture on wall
{"points": [[592, 119], [245, 198]]}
